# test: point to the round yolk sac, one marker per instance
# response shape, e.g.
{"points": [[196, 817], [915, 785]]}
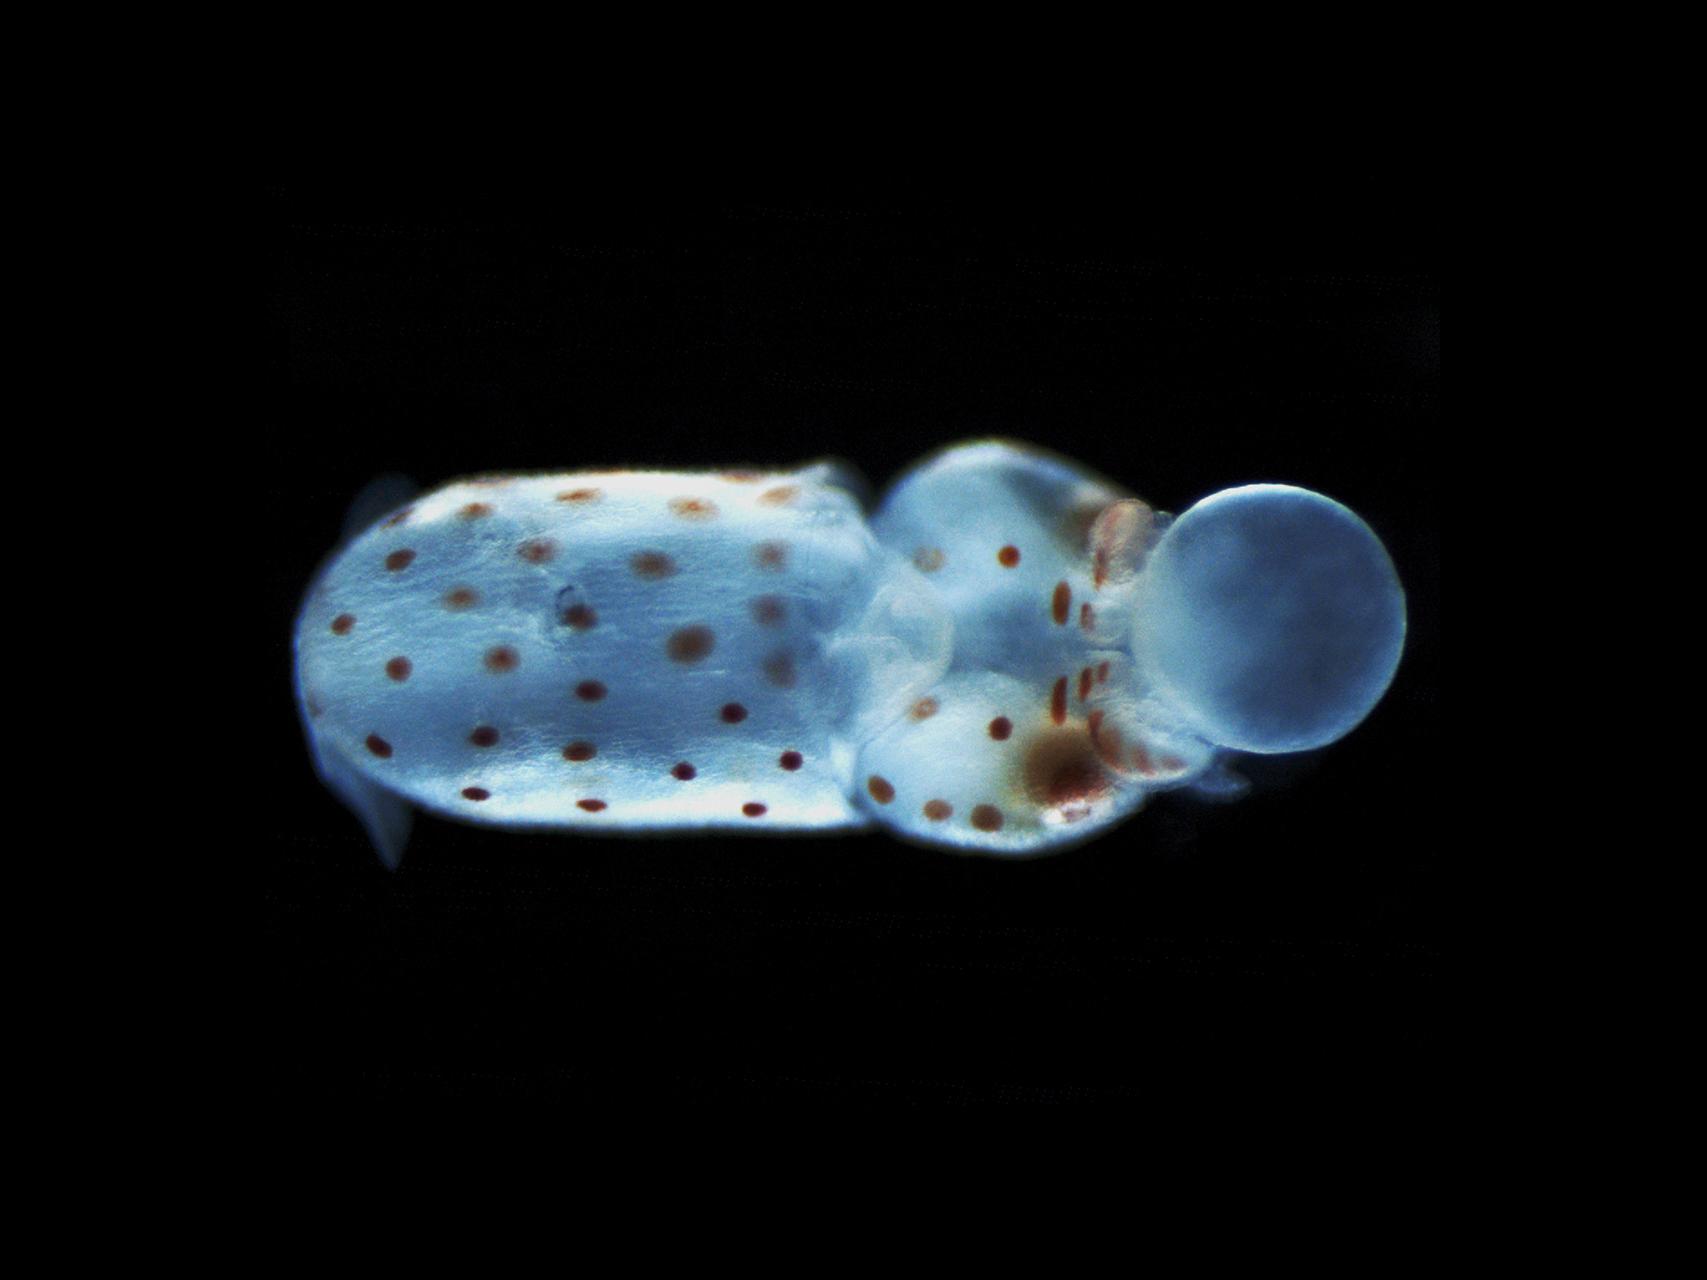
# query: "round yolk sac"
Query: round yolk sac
{"points": [[1271, 618]]}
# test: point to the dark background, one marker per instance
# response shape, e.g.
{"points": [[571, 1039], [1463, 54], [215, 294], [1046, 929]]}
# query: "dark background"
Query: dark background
{"points": [[1298, 936]]}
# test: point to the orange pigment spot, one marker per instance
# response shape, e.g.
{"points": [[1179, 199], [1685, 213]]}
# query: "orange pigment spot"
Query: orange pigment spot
{"points": [[379, 746], [579, 751], [768, 610], [690, 644], [399, 559], [938, 810], [1063, 769], [1058, 702], [791, 760], [1084, 684], [753, 809], [684, 772], [399, 668], [591, 806], [580, 616], [537, 550], [924, 708], [1061, 602], [461, 598], [880, 789], [1008, 556], [578, 495], [589, 691], [483, 736], [475, 510], [780, 496], [1001, 728], [502, 658], [652, 564], [986, 817], [476, 793], [771, 556], [342, 623], [693, 508]]}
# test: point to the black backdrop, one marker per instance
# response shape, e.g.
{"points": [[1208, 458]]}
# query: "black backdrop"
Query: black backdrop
{"points": [[1298, 935]]}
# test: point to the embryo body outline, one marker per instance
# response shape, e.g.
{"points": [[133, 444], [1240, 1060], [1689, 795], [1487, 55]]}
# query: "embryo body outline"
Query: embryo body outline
{"points": [[1007, 656]]}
